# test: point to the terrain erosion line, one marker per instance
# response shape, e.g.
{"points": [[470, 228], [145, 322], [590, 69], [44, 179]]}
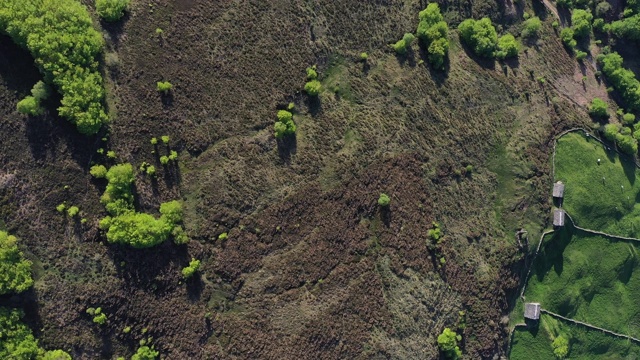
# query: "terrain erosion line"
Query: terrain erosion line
{"points": [[577, 322]]}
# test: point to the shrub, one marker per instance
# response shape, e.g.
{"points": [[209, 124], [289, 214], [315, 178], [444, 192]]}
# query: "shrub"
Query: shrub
{"points": [[111, 10], [312, 74], [364, 56], [581, 22], [560, 347], [312, 87], [173, 155], [15, 270], [628, 119], [507, 47], [623, 80], [29, 106], [480, 35], [598, 25], [628, 28], [435, 233], [627, 143], [151, 170], [154, 141], [171, 212], [100, 319], [179, 235], [408, 38], [61, 38], [448, 344], [73, 211], [164, 87], [223, 236], [610, 131], [285, 125], [190, 270], [111, 154], [532, 27], [56, 355], [598, 108], [400, 47], [566, 35], [165, 139], [384, 200], [98, 171], [580, 55], [145, 353], [603, 9], [164, 160], [60, 208]]}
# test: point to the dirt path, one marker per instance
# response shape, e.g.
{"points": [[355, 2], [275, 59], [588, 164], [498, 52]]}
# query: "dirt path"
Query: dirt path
{"points": [[551, 8]]}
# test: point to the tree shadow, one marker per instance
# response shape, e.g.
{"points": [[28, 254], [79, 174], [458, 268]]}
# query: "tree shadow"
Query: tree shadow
{"points": [[540, 10], [551, 252], [115, 28], [194, 287], [484, 62], [439, 76], [314, 105], [287, 146]]}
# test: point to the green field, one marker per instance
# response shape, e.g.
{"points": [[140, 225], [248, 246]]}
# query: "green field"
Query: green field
{"points": [[585, 344], [609, 205], [588, 278]]}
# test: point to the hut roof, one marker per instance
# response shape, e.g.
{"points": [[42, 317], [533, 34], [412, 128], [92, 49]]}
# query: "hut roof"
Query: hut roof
{"points": [[558, 190], [532, 311], [558, 217]]}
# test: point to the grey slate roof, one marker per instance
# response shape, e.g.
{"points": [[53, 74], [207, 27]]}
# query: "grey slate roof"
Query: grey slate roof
{"points": [[558, 217], [532, 311], [558, 190]]}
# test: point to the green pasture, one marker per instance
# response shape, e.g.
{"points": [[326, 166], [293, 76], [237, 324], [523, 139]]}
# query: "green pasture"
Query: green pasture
{"points": [[584, 344], [599, 196]]}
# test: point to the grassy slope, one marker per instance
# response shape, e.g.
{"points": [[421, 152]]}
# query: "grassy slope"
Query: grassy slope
{"points": [[610, 205], [535, 344]]}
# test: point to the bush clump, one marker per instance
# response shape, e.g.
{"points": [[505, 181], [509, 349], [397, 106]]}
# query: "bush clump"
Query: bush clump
{"points": [[312, 87], [111, 10], [15, 270], [32, 105], [581, 22], [507, 47], [448, 344], [560, 347], [433, 31], [480, 35], [189, 271], [531, 27], [285, 125], [126, 226], [598, 108], [60, 36], [98, 171], [384, 200], [622, 79], [163, 87], [145, 353]]}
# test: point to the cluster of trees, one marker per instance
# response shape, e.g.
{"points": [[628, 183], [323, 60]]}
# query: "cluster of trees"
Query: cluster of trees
{"points": [[623, 136], [448, 344], [560, 347], [482, 37], [16, 339], [580, 28], [60, 36], [623, 80], [627, 28], [285, 125], [124, 225], [433, 32], [313, 86], [145, 353], [111, 10]]}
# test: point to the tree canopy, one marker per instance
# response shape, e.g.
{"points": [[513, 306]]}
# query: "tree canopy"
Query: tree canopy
{"points": [[480, 35], [15, 270], [60, 36], [434, 33]]}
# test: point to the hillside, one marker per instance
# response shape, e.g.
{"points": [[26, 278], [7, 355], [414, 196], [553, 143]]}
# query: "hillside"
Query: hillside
{"points": [[298, 260]]}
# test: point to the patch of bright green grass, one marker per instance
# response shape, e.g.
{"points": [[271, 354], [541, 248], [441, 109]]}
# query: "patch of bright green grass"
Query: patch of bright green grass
{"points": [[584, 344], [609, 205], [588, 278]]}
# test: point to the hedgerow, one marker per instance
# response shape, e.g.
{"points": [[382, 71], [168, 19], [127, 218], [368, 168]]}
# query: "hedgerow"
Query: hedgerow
{"points": [[622, 79], [60, 36]]}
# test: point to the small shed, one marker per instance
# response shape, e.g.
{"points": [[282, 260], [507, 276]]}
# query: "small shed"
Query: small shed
{"points": [[558, 217], [532, 311], [558, 190]]}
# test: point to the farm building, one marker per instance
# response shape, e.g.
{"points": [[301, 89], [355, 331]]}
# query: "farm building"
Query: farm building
{"points": [[558, 190], [532, 311], [558, 217]]}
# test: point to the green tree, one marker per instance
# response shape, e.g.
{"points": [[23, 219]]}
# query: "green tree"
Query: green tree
{"points": [[628, 28], [285, 125], [384, 200], [312, 74], [566, 35], [433, 32], [163, 87], [312, 87], [610, 131], [145, 353], [531, 27], [111, 10], [171, 212], [29, 106], [15, 270], [507, 47], [98, 171], [628, 119], [598, 108], [448, 344], [16, 339], [480, 35], [56, 355], [581, 22], [400, 47], [560, 347]]}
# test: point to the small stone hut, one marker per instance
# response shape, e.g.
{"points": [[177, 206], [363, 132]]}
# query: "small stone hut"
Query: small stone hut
{"points": [[558, 190], [532, 311], [558, 217]]}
